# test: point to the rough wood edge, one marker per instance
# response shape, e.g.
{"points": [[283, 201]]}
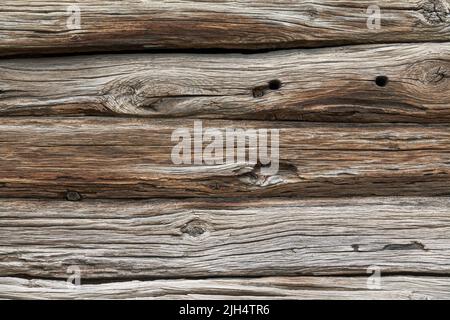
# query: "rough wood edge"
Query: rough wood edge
{"points": [[334, 288]]}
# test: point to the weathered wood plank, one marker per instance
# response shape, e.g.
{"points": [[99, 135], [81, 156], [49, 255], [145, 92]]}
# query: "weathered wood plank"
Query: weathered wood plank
{"points": [[131, 158], [49, 26], [204, 238], [336, 288], [337, 84]]}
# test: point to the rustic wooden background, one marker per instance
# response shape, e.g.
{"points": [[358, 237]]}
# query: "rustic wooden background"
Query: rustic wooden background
{"points": [[86, 180]]}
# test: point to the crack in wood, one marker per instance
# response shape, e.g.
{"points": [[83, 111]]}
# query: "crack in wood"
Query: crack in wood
{"points": [[415, 245]]}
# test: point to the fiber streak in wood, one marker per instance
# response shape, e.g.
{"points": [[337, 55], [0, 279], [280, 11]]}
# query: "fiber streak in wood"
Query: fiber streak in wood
{"points": [[204, 238]]}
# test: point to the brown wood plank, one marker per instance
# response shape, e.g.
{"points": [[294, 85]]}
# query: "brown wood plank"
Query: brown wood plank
{"points": [[131, 158], [42, 26], [337, 85], [336, 288], [207, 238]]}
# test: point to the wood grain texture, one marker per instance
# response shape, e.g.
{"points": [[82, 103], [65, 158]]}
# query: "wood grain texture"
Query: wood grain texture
{"points": [[131, 158], [41, 26], [336, 85], [360, 111], [336, 288], [207, 238]]}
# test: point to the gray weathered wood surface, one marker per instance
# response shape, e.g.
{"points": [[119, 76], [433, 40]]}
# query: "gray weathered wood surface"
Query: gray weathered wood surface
{"points": [[41, 26], [332, 84], [361, 112], [131, 158], [210, 238], [268, 288]]}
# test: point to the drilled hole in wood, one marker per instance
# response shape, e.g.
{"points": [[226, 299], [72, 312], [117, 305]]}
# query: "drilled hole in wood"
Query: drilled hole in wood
{"points": [[274, 84], [381, 81]]}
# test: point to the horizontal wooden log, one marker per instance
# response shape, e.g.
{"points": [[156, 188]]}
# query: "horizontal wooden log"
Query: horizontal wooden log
{"points": [[52, 26], [132, 158], [207, 238], [390, 83], [336, 288]]}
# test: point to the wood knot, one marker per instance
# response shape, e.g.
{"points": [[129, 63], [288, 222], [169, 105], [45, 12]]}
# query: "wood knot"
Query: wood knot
{"points": [[431, 72], [437, 75], [75, 37], [311, 12], [144, 94], [258, 92], [73, 196], [431, 76], [121, 95], [195, 228], [434, 11]]}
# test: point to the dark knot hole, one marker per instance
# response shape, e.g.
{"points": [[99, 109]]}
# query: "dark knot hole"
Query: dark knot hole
{"points": [[381, 81], [275, 84]]}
